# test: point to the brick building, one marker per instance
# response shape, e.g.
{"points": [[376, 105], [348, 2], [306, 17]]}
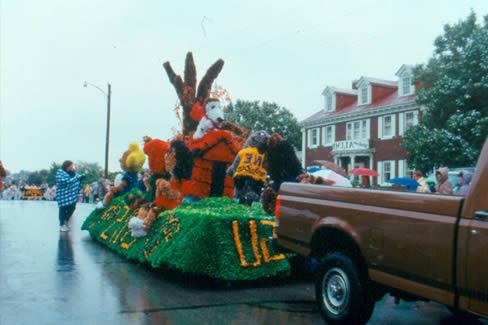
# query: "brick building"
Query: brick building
{"points": [[363, 126]]}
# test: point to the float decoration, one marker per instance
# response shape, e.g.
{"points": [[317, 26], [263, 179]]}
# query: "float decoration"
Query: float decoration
{"points": [[187, 92], [214, 237]]}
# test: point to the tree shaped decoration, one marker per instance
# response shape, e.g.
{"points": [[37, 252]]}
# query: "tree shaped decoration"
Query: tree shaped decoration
{"points": [[187, 90]]}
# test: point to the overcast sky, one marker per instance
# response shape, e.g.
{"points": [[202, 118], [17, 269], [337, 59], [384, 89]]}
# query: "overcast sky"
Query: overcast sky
{"points": [[281, 51]]}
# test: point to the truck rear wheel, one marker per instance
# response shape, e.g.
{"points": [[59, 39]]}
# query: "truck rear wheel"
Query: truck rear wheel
{"points": [[341, 292]]}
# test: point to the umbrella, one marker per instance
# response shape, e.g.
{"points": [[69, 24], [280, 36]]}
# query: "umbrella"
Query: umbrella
{"points": [[330, 165], [364, 172], [338, 179], [313, 169], [404, 181]]}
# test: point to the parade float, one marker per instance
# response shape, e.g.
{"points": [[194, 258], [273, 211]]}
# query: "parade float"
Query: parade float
{"points": [[32, 193], [189, 221]]}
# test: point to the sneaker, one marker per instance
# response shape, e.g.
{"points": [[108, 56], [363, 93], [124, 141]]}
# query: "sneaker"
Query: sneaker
{"points": [[63, 228]]}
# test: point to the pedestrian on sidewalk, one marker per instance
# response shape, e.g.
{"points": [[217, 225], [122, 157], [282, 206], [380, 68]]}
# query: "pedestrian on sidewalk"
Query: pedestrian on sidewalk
{"points": [[464, 178], [68, 185], [3, 173], [444, 185], [423, 186]]}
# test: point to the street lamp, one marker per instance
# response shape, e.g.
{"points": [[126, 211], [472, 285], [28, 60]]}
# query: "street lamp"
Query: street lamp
{"points": [[107, 94]]}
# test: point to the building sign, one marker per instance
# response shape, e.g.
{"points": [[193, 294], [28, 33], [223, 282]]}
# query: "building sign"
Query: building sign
{"points": [[350, 145]]}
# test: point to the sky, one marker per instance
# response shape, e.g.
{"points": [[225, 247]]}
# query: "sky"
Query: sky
{"points": [[280, 51]]}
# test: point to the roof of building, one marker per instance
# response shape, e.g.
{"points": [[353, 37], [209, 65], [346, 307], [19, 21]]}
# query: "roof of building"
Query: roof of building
{"points": [[352, 92], [392, 99], [381, 82]]}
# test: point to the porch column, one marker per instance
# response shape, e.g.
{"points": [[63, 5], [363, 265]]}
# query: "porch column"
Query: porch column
{"points": [[371, 167], [353, 162]]}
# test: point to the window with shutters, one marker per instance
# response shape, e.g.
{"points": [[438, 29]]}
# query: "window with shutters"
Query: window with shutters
{"points": [[387, 126], [357, 130], [328, 133], [386, 171], [313, 138], [349, 131], [410, 119]]}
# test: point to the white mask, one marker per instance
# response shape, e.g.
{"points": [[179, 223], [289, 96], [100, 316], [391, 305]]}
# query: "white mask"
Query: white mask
{"points": [[214, 111]]}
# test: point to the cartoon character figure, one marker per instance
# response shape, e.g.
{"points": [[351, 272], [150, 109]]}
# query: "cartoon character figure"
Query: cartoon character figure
{"points": [[283, 163], [155, 150], [213, 118], [248, 168], [169, 194], [131, 163]]}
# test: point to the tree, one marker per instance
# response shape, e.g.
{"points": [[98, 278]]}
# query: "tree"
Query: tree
{"points": [[455, 95], [254, 115], [37, 177], [51, 177], [187, 90], [92, 171]]}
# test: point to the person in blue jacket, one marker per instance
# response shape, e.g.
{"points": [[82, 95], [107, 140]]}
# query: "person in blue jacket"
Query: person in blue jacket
{"points": [[68, 186]]}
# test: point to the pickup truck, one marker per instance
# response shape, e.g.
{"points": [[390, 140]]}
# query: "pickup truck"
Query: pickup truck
{"points": [[371, 242]]}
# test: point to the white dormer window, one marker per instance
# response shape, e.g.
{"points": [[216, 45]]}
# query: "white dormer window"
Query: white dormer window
{"points": [[364, 94], [405, 81], [364, 91], [328, 103]]}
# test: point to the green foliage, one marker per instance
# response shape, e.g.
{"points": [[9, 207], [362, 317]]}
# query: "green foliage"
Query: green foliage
{"points": [[455, 93], [92, 171], [37, 177], [112, 175], [51, 177], [255, 115], [430, 148], [194, 238]]}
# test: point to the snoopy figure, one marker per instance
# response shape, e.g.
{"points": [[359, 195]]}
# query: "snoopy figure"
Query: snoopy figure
{"points": [[214, 116]]}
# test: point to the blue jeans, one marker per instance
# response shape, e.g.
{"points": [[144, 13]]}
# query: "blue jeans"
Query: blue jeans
{"points": [[65, 213]]}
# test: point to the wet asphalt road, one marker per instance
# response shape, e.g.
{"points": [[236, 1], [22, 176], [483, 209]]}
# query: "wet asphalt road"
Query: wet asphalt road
{"points": [[48, 277]]}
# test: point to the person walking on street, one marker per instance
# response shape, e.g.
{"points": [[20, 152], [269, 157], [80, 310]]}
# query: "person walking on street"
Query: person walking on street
{"points": [[423, 187], [86, 193], [102, 188], [444, 185], [68, 185]]}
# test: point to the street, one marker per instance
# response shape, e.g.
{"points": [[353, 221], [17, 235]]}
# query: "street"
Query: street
{"points": [[48, 277]]}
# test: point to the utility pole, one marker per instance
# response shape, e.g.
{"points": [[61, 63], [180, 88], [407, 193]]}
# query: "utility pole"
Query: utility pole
{"points": [[109, 95]]}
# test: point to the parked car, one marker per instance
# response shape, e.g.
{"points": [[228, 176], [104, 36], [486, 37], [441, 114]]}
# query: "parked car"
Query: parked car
{"points": [[371, 242]]}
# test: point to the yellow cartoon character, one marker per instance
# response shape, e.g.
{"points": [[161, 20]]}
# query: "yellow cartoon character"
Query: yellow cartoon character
{"points": [[131, 163]]}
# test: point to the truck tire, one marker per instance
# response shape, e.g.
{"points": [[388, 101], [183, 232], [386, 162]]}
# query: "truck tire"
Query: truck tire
{"points": [[341, 292]]}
